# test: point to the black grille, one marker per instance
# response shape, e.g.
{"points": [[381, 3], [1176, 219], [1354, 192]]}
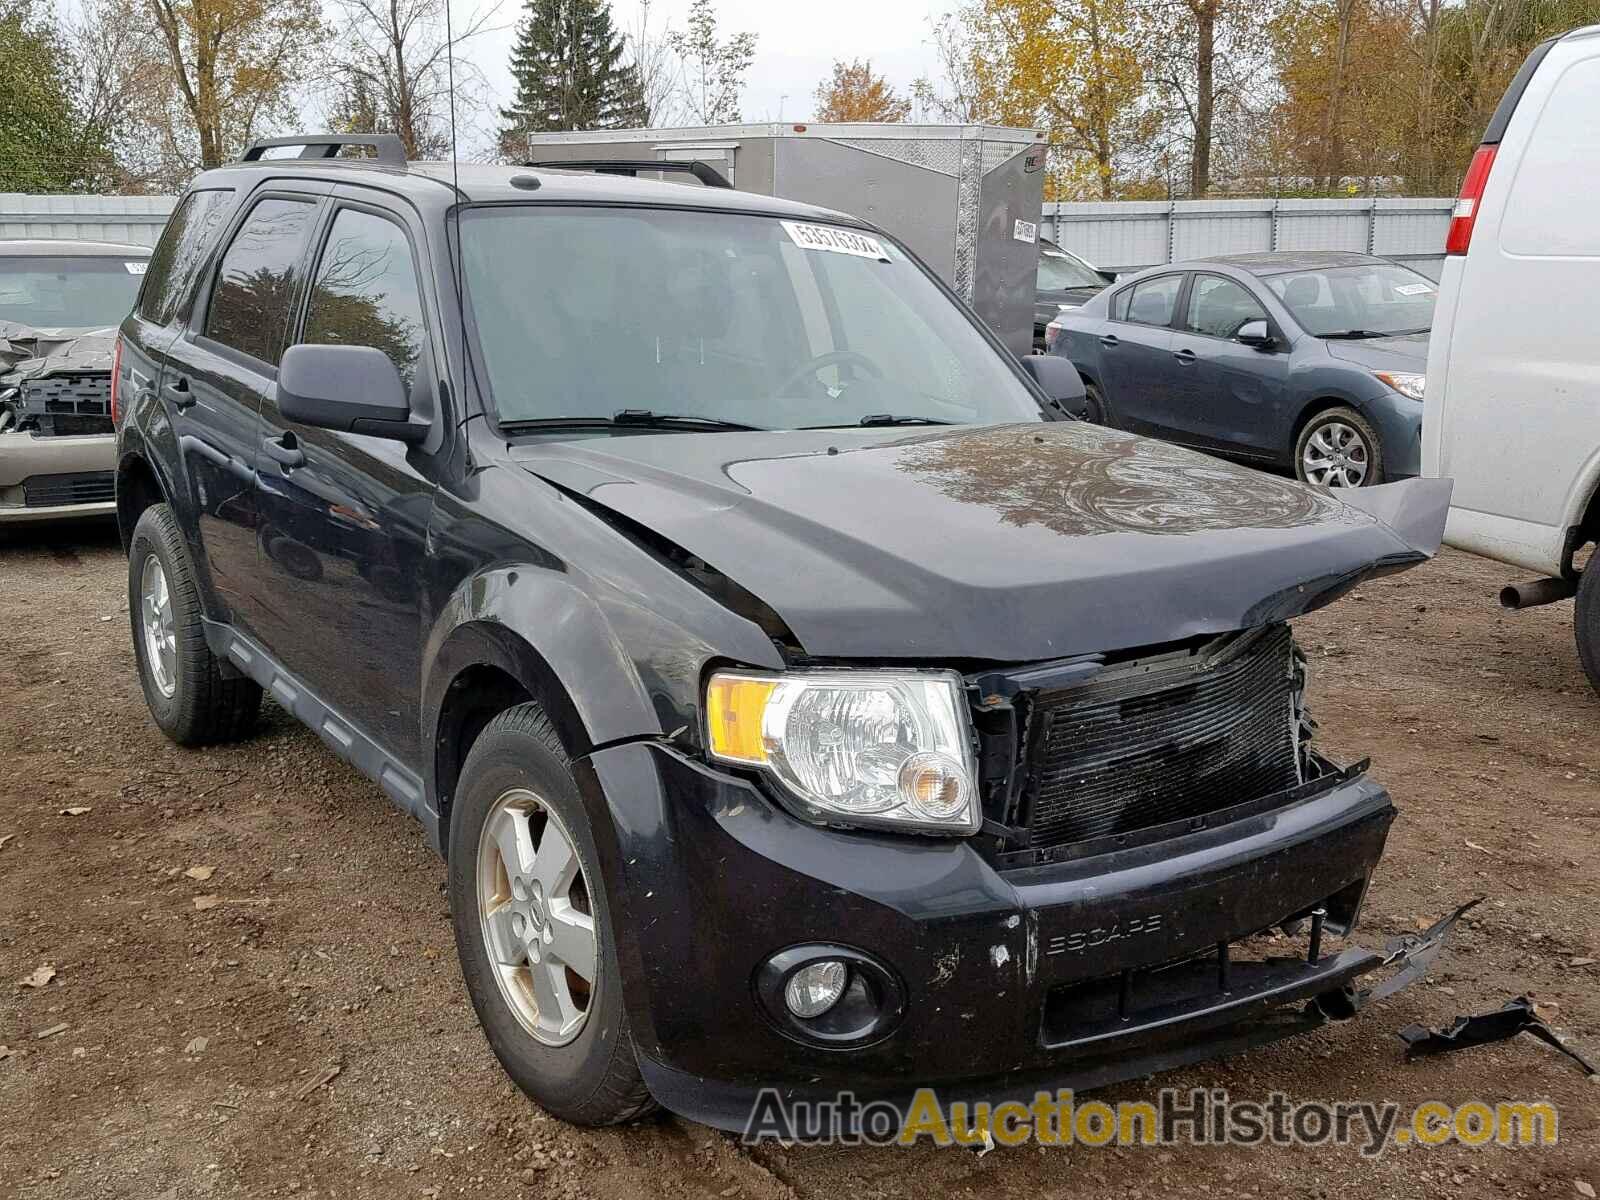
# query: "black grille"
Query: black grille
{"points": [[77, 403], [1166, 740], [79, 487]]}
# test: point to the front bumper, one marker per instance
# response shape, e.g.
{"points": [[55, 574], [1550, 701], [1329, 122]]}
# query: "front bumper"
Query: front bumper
{"points": [[24, 457], [1012, 980]]}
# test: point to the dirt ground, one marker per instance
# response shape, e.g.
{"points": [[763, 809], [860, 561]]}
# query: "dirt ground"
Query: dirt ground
{"points": [[200, 1018]]}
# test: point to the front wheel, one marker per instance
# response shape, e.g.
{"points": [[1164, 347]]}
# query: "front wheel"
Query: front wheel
{"points": [[1586, 620], [533, 928], [1339, 449]]}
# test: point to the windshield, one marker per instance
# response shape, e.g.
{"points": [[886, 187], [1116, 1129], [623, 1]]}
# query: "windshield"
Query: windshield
{"points": [[587, 312], [48, 293], [1059, 271], [1373, 299]]}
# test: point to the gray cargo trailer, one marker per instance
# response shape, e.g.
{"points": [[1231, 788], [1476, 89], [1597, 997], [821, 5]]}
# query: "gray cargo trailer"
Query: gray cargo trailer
{"points": [[965, 198]]}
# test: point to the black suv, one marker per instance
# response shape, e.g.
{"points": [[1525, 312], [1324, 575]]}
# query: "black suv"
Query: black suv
{"points": [[799, 697]]}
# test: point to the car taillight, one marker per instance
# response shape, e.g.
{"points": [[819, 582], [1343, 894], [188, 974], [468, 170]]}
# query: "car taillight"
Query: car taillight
{"points": [[1466, 210], [116, 371]]}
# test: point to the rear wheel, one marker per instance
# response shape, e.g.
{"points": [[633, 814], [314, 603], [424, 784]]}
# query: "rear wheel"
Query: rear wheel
{"points": [[192, 695], [1339, 449], [1094, 404], [1586, 621], [533, 928]]}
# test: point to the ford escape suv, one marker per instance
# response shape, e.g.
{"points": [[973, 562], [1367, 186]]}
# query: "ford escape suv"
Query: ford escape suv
{"points": [[800, 698]]}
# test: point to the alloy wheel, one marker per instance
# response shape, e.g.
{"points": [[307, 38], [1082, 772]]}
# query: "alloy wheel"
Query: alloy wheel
{"points": [[1336, 455], [537, 922], [157, 625]]}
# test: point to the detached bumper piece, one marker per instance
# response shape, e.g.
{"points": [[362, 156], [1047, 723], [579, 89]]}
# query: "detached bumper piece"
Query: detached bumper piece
{"points": [[1503, 1024]]}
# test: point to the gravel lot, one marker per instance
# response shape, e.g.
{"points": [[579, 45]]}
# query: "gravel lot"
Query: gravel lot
{"points": [[229, 928]]}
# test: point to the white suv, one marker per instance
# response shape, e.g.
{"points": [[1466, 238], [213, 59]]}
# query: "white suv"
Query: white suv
{"points": [[1512, 409]]}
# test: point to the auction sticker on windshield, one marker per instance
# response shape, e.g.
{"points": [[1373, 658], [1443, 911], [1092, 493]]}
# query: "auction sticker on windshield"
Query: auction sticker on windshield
{"points": [[832, 238]]}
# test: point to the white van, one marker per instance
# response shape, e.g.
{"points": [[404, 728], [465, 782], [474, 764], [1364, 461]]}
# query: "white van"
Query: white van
{"points": [[1512, 403]]}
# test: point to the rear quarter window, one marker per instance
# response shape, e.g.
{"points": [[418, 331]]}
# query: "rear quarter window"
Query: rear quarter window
{"points": [[177, 258], [1550, 210]]}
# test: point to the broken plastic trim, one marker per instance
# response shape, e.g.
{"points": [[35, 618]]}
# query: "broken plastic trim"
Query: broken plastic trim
{"points": [[1504, 1023], [1413, 954]]}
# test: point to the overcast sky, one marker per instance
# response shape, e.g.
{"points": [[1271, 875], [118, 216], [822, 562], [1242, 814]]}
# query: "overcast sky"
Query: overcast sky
{"points": [[796, 44]]}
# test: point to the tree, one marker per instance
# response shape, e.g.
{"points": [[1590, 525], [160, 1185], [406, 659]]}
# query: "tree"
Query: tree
{"points": [[713, 70], [235, 65], [568, 69], [394, 75], [657, 82], [856, 94], [44, 146]]}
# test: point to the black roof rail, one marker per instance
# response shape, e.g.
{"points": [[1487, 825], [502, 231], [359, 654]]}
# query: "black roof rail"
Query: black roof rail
{"points": [[704, 172], [391, 150]]}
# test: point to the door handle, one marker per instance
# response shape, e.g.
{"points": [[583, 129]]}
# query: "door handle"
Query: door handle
{"points": [[178, 392], [1186, 357], [1110, 342], [285, 455]]}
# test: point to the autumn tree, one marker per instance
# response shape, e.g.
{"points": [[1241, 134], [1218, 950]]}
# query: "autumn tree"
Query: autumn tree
{"points": [[394, 72], [657, 75], [854, 93], [713, 67], [235, 65]]}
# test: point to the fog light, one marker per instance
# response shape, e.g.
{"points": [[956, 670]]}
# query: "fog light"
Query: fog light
{"points": [[815, 988]]}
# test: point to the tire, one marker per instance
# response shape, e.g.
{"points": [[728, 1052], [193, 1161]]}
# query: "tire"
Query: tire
{"points": [[1335, 426], [1094, 404], [1586, 620], [518, 765], [193, 697]]}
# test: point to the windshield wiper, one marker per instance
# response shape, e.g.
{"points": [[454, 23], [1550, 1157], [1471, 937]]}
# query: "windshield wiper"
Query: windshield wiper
{"points": [[1354, 335], [886, 419], [642, 418]]}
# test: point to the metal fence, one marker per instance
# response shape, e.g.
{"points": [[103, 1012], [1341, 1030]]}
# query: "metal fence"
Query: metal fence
{"points": [[1133, 234], [133, 220], [1126, 235]]}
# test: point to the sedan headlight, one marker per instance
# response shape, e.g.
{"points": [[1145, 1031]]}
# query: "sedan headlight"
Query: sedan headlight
{"points": [[888, 749], [1404, 382]]}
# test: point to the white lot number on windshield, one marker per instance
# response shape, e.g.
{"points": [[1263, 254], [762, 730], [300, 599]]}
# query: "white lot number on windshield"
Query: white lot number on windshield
{"points": [[839, 241]]}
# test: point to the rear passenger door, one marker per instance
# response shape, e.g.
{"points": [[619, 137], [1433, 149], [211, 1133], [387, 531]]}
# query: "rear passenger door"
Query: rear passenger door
{"points": [[216, 376], [1234, 395], [1136, 353], [344, 516]]}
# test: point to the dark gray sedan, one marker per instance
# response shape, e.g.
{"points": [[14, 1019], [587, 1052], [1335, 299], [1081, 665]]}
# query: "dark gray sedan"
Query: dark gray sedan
{"points": [[1309, 360]]}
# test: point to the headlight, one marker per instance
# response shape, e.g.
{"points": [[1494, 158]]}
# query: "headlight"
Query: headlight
{"points": [[1404, 382], [889, 749]]}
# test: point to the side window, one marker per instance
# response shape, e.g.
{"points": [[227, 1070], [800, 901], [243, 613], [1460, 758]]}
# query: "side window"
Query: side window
{"points": [[1218, 306], [177, 257], [365, 291], [1154, 299], [255, 284], [1119, 304]]}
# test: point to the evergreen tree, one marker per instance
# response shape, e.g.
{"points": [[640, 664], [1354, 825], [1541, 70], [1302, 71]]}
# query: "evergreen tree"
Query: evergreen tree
{"points": [[568, 69], [41, 149]]}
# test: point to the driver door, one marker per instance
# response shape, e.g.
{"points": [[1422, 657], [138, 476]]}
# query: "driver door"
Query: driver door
{"points": [[1237, 393]]}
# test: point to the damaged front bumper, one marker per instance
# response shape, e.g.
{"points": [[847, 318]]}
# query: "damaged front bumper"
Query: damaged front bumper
{"points": [[998, 983]]}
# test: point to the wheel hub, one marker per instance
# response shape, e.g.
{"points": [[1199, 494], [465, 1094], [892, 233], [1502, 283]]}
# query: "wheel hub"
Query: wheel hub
{"points": [[533, 908], [158, 626]]}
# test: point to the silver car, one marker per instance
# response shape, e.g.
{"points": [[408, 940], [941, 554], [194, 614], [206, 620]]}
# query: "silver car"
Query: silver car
{"points": [[60, 304]]}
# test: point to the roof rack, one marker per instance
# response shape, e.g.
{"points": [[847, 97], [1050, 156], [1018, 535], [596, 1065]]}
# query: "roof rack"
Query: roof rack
{"points": [[704, 172], [391, 151]]}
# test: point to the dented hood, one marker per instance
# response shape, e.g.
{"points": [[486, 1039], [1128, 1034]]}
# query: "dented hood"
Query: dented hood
{"points": [[1012, 543], [27, 352]]}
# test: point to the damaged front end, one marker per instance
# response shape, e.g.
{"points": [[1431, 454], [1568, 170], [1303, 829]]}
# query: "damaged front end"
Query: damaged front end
{"points": [[57, 446]]}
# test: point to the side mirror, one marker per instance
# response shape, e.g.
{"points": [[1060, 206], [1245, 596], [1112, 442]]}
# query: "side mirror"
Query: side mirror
{"points": [[354, 389], [1255, 333], [1058, 379], [1108, 276]]}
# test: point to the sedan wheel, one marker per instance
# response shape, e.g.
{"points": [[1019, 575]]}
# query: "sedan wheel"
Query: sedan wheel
{"points": [[533, 904], [1338, 449]]}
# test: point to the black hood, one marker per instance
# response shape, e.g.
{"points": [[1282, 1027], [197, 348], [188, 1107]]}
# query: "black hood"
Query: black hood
{"points": [[1408, 353], [1009, 544]]}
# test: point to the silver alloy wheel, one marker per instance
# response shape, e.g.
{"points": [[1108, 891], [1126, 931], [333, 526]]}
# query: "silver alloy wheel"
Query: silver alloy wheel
{"points": [[1336, 455], [538, 926], [157, 624]]}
